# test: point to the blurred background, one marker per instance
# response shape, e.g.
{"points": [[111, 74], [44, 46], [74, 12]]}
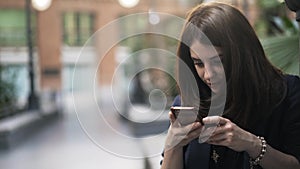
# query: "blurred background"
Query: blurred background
{"points": [[88, 83]]}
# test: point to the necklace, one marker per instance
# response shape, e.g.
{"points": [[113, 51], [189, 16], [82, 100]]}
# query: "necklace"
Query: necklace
{"points": [[215, 156]]}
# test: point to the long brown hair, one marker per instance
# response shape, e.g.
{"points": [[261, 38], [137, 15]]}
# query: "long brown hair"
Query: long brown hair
{"points": [[254, 85]]}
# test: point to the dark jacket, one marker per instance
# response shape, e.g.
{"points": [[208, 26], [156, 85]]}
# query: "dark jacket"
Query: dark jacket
{"points": [[281, 131]]}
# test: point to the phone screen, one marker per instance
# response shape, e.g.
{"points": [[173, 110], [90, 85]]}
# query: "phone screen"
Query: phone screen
{"points": [[186, 115]]}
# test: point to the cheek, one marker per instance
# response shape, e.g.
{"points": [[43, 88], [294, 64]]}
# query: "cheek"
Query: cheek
{"points": [[200, 72], [218, 73]]}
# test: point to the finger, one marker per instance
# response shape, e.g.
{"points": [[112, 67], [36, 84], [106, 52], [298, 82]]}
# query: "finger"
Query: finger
{"points": [[196, 126], [195, 133], [220, 142], [220, 130], [215, 120], [192, 135], [223, 120], [171, 117], [211, 120], [206, 133], [218, 137], [192, 126]]}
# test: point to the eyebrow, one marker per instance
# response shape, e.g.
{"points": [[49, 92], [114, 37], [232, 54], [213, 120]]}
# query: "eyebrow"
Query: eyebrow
{"points": [[217, 56], [196, 59], [211, 58]]}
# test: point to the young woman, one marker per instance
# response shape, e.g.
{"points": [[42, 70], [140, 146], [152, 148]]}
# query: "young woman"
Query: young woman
{"points": [[259, 123]]}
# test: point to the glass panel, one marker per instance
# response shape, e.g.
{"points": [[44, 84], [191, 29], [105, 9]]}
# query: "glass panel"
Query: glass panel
{"points": [[13, 27], [77, 28]]}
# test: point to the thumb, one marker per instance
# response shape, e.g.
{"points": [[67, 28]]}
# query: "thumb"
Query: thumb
{"points": [[171, 117]]}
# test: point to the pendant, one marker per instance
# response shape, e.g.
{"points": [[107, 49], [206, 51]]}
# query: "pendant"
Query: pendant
{"points": [[215, 156]]}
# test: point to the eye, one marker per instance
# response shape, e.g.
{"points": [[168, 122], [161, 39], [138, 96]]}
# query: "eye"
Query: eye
{"points": [[198, 62]]}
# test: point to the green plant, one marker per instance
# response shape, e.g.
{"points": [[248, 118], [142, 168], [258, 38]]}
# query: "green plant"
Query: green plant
{"points": [[283, 51], [279, 35], [8, 94]]}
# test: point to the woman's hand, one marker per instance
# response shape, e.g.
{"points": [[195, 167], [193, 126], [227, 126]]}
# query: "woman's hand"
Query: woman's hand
{"points": [[180, 135], [232, 136]]}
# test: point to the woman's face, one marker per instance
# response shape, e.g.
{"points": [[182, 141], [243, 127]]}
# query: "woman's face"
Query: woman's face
{"points": [[207, 61]]}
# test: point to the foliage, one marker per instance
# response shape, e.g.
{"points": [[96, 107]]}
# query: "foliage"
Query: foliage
{"points": [[269, 4], [283, 51], [8, 94], [279, 35]]}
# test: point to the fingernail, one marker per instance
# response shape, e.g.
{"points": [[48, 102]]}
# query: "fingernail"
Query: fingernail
{"points": [[199, 124]]}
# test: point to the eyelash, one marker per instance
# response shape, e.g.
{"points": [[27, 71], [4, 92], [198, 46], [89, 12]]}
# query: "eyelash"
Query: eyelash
{"points": [[198, 63]]}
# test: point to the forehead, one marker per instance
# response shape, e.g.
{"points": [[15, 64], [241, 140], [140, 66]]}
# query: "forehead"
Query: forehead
{"points": [[204, 51]]}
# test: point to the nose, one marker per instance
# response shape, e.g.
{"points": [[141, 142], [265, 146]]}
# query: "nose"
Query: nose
{"points": [[206, 76]]}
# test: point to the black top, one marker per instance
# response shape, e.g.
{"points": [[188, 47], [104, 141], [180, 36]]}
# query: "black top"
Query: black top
{"points": [[281, 131]]}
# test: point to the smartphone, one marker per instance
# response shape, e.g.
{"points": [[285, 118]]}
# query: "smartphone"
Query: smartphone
{"points": [[186, 115]]}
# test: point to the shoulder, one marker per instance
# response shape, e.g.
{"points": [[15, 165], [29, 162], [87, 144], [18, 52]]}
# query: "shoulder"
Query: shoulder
{"points": [[291, 105], [292, 79], [288, 109], [291, 119], [293, 88]]}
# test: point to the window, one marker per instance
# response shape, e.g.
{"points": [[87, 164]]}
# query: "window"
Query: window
{"points": [[77, 28], [13, 27]]}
